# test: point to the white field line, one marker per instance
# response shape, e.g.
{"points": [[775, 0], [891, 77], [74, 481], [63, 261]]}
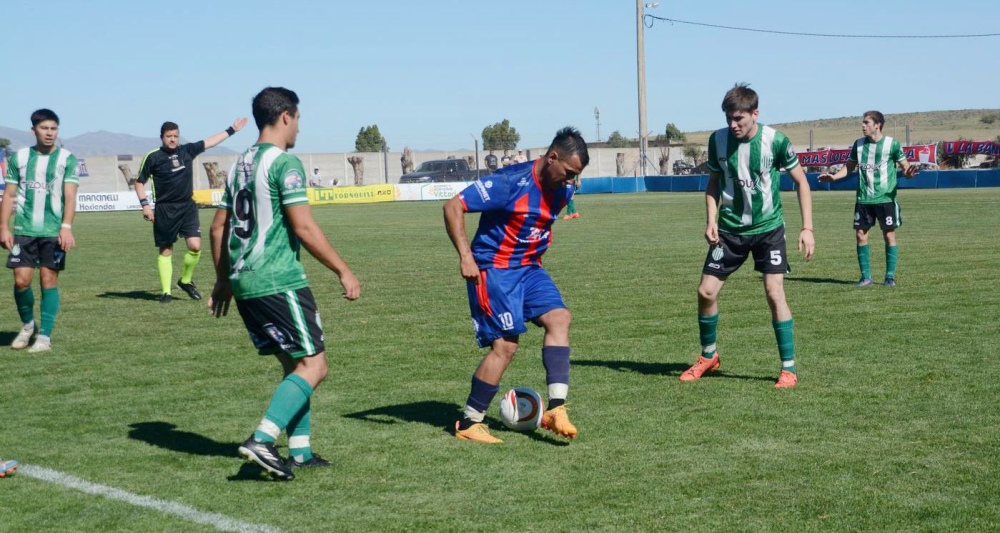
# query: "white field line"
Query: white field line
{"points": [[218, 521]]}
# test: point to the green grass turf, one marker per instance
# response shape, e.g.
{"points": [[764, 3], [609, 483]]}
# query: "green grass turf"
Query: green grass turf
{"points": [[893, 426]]}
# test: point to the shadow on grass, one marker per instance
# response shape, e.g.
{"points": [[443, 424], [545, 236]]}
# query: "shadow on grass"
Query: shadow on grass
{"points": [[433, 413], [165, 435], [663, 369], [652, 369], [830, 281], [251, 472], [436, 414], [7, 337], [131, 295]]}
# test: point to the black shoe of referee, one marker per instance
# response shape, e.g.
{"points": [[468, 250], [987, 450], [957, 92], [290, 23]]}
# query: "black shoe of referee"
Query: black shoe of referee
{"points": [[189, 289]]}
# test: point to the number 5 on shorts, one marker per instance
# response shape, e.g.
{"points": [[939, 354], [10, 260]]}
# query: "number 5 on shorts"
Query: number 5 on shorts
{"points": [[775, 257]]}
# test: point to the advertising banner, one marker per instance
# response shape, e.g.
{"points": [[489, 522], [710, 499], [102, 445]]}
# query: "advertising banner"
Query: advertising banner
{"points": [[925, 154], [107, 201], [428, 191], [364, 194]]}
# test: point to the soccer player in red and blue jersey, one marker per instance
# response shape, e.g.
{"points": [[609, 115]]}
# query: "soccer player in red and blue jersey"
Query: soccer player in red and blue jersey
{"points": [[505, 279]]}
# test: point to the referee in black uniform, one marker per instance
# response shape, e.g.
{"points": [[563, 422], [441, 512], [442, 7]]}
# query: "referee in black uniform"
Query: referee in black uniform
{"points": [[171, 167]]}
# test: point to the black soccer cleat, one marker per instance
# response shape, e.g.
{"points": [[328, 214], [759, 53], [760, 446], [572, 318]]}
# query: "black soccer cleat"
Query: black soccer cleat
{"points": [[166, 298], [315, 462], [266, 456], [189, 289]]}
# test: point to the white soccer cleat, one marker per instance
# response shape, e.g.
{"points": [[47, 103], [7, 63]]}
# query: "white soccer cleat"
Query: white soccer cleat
{"points": [[42, 344], [23, 337]]}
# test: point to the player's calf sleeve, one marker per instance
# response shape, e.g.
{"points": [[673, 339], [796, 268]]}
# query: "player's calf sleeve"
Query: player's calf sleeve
{"points": [[707, 328], [891, 256], [784, 333], [299, 429], [25, 301], [479, 400], [190, 262], [556, 362], [165, 266], [863, 254], [288, 399], [50, 308]]}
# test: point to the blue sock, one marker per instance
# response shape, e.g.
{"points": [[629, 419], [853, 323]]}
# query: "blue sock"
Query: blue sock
{"points": [[556, 362], [479, 400]]}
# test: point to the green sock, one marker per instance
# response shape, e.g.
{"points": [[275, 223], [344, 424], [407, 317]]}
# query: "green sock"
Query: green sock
{"points": [[891, 256], [863, 254], [784, 332], [707, 326], [571, 207], [288, 399], [25, 301], [165, 266], [190, 261], [299, 429], [50, 308]]}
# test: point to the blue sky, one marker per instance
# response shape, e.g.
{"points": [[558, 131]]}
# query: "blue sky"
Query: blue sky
{"points": [[430, 73]]}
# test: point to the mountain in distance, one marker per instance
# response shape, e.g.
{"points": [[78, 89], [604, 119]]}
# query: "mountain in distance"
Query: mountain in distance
{"points": [[98, 143]]}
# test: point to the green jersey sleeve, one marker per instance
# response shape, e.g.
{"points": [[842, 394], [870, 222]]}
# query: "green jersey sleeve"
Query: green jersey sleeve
{"points": [[288, 179], [72, 174]]}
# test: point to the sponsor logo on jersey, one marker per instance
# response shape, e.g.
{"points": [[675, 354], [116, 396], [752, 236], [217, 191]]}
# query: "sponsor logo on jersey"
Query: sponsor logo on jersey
{"points": [[766, 162], [481, 186], [717, 254], [524, 181], [293, 180]]}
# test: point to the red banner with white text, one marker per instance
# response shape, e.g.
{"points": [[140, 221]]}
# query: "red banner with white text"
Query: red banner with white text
{"points": [[924, 154], [963, 147]]}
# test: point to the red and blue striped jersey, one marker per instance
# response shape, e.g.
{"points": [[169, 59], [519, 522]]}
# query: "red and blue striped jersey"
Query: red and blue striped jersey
{"points": [[515, 227]]}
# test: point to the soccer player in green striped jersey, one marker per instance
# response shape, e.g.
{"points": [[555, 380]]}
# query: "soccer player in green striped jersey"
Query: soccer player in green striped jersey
{"points": [[744, 217], [40, 193], [875, 157], [263, 221]]}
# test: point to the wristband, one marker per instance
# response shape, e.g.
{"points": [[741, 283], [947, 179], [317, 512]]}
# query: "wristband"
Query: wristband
{"points": [[144, 202], [230, 131], [67, 226], [810, 230]]}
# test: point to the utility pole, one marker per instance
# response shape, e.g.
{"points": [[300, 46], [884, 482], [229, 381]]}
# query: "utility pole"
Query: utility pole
{"points": [[597, 117], [641, 67]]}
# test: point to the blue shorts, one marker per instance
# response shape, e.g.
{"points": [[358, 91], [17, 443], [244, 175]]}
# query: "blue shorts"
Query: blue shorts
{"points": [[506, 298]]}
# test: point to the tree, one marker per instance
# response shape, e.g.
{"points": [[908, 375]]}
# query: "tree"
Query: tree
{"points": [[673, 134], [694, 153], [617, 140], [4, 143], [500, 136], [370, 140], [989, 118]]}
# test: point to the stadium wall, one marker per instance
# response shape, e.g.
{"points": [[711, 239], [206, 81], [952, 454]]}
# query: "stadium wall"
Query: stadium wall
{"points": [[925, 179], [105, 173]]}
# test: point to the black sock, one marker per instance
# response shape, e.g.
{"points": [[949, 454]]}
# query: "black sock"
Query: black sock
{"points": [[556, 402]]}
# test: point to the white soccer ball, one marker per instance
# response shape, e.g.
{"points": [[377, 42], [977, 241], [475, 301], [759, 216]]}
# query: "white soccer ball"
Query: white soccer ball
{"points": [[521, 409]]}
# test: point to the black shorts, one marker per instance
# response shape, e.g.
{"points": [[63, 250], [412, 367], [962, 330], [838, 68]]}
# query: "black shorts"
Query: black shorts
{"points": [[887, 215], [173, 219], [33, 252], [728, 255], [286, 322]]}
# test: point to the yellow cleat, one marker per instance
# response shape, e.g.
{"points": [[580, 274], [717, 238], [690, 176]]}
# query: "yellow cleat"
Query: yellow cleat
{"points": [[557, 421], [477, 432]]}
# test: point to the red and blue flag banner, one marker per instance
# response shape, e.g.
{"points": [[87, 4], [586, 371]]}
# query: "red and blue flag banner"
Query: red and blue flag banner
{"points": [[963, 147]]}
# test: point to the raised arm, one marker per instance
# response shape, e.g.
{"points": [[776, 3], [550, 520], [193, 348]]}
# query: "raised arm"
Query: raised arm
{"points": [[226, 133]]}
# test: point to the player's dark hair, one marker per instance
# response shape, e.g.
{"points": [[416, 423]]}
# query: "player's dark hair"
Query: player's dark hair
{"points": [[740, 98], [42, 115], [169, 126], [569, 142], [876, 116], [270, 103]]}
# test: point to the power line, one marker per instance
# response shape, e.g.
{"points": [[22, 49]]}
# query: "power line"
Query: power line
{"points": [[652, 18]]}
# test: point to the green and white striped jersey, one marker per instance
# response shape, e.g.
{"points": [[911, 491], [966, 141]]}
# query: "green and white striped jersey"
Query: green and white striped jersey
{"points": [[750, 179], [39, 179], [263, 249], [876, 168]]}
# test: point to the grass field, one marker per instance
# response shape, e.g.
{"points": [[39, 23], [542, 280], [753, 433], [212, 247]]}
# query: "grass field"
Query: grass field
{"points": [[893, 426]]}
